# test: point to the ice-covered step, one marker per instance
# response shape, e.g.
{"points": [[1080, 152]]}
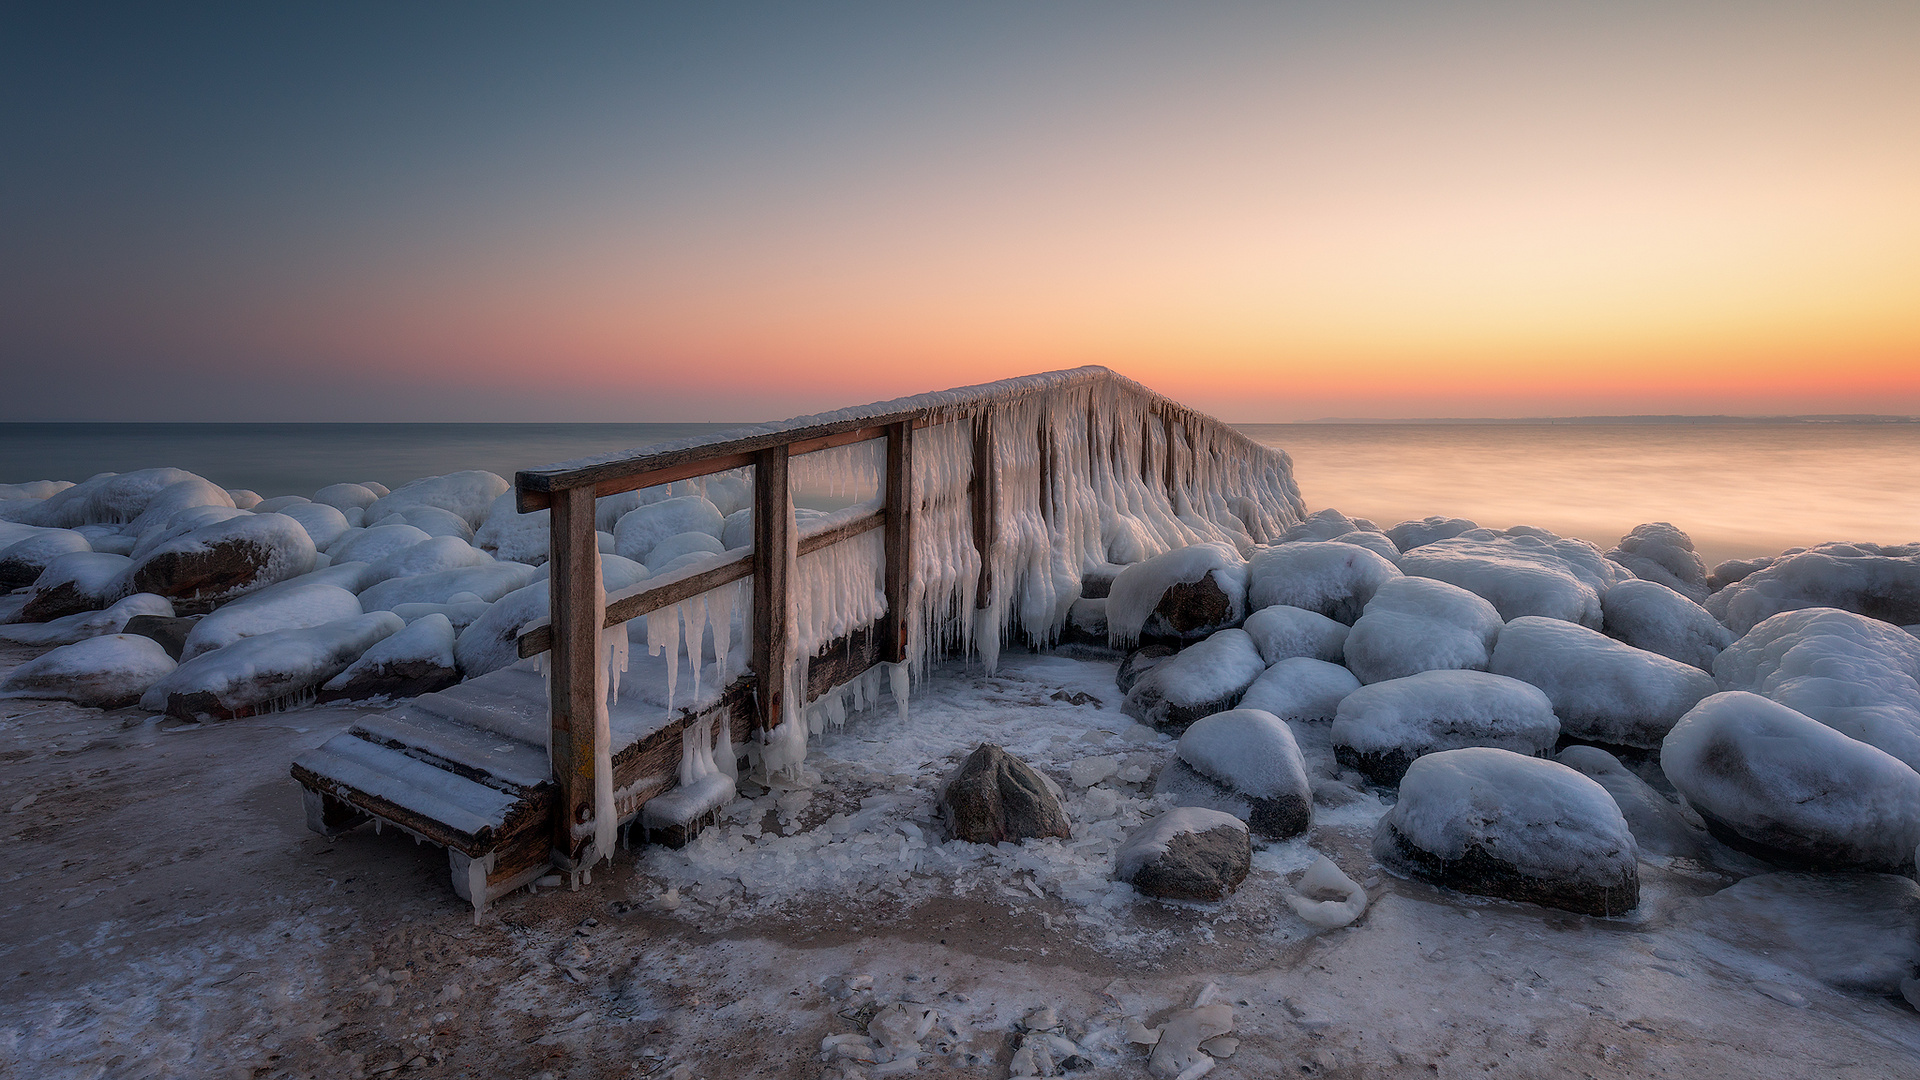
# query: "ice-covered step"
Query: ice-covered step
{"points": [[503, 757], [440, 805], [510, 702]]}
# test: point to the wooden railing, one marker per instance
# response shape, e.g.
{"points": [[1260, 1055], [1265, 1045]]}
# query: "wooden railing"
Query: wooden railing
{"points": [[570, 489]]}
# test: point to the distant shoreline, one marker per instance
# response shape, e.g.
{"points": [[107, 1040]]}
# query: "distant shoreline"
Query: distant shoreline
{"points": [[1837, 418]]}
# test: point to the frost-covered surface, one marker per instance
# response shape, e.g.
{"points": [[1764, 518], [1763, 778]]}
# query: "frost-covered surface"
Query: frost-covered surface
{"points": [[1881, 581], [1412, 534], [1216, 670], [489, 582], [1659, 552], [323, 523], [371, 545], [283, 609], [1857, 675], [1648, 615], [1150, 841], [1139, 587], [1335, 580], [1249, 750], [430, 556], [1280, 631], [1523, 571], [1602, 690], [1417, 624], [636, 534], [270, 670], [1301, 688], [78, 627], [467, 495], [1791, 785], [106, 671], [1445, 710]]}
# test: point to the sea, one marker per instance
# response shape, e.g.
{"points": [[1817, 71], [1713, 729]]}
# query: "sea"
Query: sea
{"points": [[1740, 488]]}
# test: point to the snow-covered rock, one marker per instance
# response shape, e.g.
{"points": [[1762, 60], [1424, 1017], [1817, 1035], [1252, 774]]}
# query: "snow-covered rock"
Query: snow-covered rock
{"points": [[244, 498], [1879, 581], [1185, 593], [1522, 571], [1412, 534], [216, 563], [279, 502], [370, 545], [1187, 853], [681, 544], [1282, 631], [1779, 784], [345, 497], [1301, 689], [1253, 754], [75, 582], [108, 497], [1602, 690], [259, 674], [467, 495], [1732, 570], [1648, 615], [324, 524], [995, 797], [635, 534], [1857, 675], [1202, 679], [1319, 525], [1382, 728], [1416, 624], [1854, 932], [459, 613], [23, 561], [105, 672], [86, 624], [33, 489], [1495, 823], [1335, 580], [1659, 824], [169, 502], [431, 520], [1659, 552], [178, 525], [491, 641], [736, 530], [430, 556], [509, 534], [279, 609], [489, 582], [351, 576], [416, 660]]}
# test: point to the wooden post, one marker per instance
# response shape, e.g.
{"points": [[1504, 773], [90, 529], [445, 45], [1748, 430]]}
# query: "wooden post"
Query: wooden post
{"points": [[572, 550], [772, 582], [986, 503], [898, 540]]}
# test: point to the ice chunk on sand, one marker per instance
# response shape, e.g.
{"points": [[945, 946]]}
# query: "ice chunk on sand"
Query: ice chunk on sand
{"points": [[266, 672], [1880, 581], [467, 495], [279, 609], [1381, 729], [1602, 690], [635, 535], [1301, 689], [1201, 679], [373, 544], [1780, 784], [1283, 631], [1140, 589], [104, 672], [1335, 580], [1659, 552], [1522, 571], [1415, 624], [86, 624], [1650, 616], [1321, 879]]}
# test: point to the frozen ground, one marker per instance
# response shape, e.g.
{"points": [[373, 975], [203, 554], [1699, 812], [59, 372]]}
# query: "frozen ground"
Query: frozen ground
{"points": [[166, 914]]}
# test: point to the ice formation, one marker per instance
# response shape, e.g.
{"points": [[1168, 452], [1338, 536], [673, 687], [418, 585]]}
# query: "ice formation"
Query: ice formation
{"points": [[1322, 878], [345, 497], [1280, 631], [1522, 571], [1650, 616], [1139, 588], [1417, 624], [1659, 552], [1204, 678], [284, 609], [23, 560], [1412, 534], [508, 534], [1881, 581], [1301, 689], [1602, 690], [432, 520], [1335, 580], [108, 497]]}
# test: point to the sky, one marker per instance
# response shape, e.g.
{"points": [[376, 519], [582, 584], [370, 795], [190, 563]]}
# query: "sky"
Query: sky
{"points": [[735, 212]]}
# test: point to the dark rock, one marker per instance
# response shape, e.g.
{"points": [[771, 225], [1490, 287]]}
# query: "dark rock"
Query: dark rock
{"points": [[221, 561], [1097, 582], [1191, 610], [1188, 853], [73, 583], [996, 796], [170, 631], [1139, 662], [1275, 818]]}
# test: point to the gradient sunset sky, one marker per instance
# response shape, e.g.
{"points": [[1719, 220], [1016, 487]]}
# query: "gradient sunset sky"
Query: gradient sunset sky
{"points": [[1272, 211]]}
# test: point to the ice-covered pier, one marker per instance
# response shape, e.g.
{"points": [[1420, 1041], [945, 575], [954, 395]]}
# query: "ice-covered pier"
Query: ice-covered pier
{"points": [[977, 517]]}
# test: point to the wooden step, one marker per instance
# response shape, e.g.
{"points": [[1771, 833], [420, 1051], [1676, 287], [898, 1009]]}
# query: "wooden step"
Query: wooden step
{"points": [[425, 799]]}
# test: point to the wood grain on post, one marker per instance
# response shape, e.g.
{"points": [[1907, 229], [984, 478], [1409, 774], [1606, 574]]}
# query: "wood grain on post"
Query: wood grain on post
{"points": [[574, 552], [986, 503], [898, 540], [772, 580]]}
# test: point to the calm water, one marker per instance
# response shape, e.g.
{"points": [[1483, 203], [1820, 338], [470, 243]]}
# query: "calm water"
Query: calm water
{"points": [[1739, 489]]}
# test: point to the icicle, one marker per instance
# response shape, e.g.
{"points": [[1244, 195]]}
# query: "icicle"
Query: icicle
{"points": [[696, 752], [720, 620], [725, 758], [897, 676], [693, 612], [606, 647], [663, 635]]}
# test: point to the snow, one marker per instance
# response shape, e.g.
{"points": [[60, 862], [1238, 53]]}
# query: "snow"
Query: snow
{"points": [[488, 582], [1659, 552], [1248, 750], [106, 671], [467, 495], [1412, 534], [272, 670], [1854, 674], [509, 534], [1218, 669], [108, 497], [1335, 580], [1418, 624], [636, 534], [431, 520], [86, 624], [373, 544], [1603, 691], [1301, 689], [24, 559], [345, 497], [325, 524], [1149, 842], [1281, 631], [1445, 710], [429, 556], [93, 574], [1522, 571], [1138, 588], [281, 609], [1648, 615], [1543, 818], [1659, 824], [1784, 781], [279, 547], [1881, 581], [429, 638]]}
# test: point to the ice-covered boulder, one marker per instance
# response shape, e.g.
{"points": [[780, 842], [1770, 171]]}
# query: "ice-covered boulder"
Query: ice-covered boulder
{"points": [[1200, 680], [416, 660], [259, 674], [1137, 663], [1412, 534], [244, 498], [736, 530], [459, 611], [1383, 728], [1779, 784], [105, 672], [108, 497], [170, 631], [279, 609], [729, 492], [108, 538], [467, 495], [1416, 624], [1648, 615], [635, 535], [1879, 581], [345, 497], [86, 624], [1658, 551], [178, 525], [216, 563], [76, 582], [1494, 823], [1335, 580], [169, 502], [509, 534], [1086, 622], [1282, 631], [1732, 570], [1659, 824], [683, 544], [1854, 932], [1319, 525], [1522, 571], [1186, 593], [1857, 675], [33, 489], [278, 502], [431, 520], [1252, 754], [1603, 690], [351, 576], [995, 797], [324, 524], [1301, 689], [489, 582], [23, 561], [370, 545], [430, 556], [1187, 853], [492, 640]]}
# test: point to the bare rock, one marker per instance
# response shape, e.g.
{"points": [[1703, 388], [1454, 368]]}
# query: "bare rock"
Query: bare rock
{"points": [[1188, 853], [996, 796]]}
